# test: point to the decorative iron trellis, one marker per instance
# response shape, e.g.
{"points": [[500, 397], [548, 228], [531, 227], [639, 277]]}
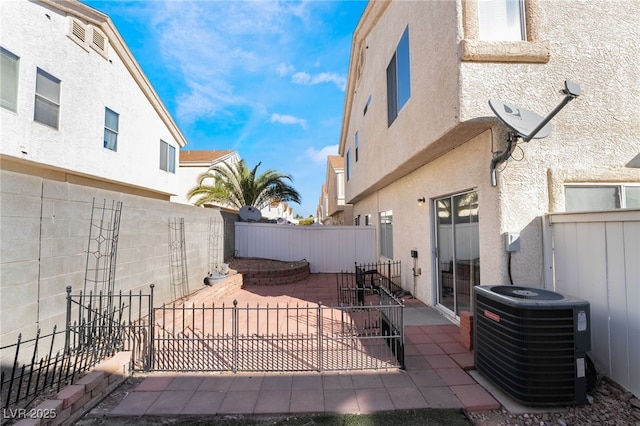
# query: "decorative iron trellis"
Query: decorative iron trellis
{"points": [[100, 271], [178, 258]]}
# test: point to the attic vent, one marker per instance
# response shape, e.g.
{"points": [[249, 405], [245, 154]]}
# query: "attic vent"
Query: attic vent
{"points": [[78, 30], [99, 42]]}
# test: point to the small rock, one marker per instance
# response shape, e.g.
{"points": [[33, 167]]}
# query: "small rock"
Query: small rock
{"points": [[635, 402]]}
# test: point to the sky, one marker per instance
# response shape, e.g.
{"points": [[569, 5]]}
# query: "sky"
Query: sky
{"points": [[263, 77]]}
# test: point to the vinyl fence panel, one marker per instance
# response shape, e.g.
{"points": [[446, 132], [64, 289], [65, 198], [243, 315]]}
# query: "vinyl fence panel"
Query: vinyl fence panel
{"points": [[326, 248], [596, 256]]}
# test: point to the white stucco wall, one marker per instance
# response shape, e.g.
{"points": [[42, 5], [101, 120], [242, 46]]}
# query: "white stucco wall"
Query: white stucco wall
{"points": [[591, 141], [89, 83]]}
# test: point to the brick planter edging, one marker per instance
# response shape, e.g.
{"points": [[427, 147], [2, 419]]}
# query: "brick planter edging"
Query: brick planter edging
{"points": [[76, 399], [276, 276]]}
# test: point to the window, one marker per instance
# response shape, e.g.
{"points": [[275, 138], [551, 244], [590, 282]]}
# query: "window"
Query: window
{"points": [[348, 164], [367, 220], [601, 197], [47, 104], [167, 157], [366, 106], [356, 220], [398, 78], [386, 234], [111, 120], [9, 80], [356, 141], [503, 31], [501, 20]]}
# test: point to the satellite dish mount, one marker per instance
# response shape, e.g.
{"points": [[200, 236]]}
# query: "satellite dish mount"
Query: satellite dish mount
{"points": [[525, 124]]}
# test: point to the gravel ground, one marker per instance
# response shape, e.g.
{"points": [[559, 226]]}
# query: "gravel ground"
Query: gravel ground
{"points": [[611, 406]]}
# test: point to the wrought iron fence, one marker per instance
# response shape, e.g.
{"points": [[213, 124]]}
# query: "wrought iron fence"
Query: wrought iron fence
{"points": [[309, 337], [381, 274], [103, 325]]}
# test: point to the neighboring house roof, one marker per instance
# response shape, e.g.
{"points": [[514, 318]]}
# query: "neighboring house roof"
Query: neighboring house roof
{"points": [[102, 21], [336, 161], [196, 158]]}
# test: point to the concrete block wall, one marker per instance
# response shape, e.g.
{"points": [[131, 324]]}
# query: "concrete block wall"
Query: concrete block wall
{"points": [[44, 236]]}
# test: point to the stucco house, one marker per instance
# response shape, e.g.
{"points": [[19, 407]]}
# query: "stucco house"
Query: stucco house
{"points": [[82, 127], [195, 162], [338, 212], [419, 139]]}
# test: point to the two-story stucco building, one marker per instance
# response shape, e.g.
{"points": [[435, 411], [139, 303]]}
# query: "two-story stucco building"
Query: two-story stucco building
{"points": [[337, 211], [82, 127], [419, 138]]}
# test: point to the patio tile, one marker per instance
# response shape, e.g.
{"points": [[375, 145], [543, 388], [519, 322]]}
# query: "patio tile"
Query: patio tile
{"points": [[246, 383], [185, 383], [442, 338], [170, 402], [367, 380], [273, 402], [455, 376], [426, 378], [411, 349], [336, 381], [216, 383], [453, 348], [279, 382], [419, 338], [413, 330], [341, 401], [154, 384], [203, 403], [440, 397], [135, 403], [373, 400], [407, 398], [416, 362], [430, 349], [464, 360], [306, 381], [475, 398], [396, 379], [238, 402], [440, 361], [309, 401]]}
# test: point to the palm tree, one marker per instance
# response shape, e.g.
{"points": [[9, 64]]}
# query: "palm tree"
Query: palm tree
{"points": [[237, 186]]}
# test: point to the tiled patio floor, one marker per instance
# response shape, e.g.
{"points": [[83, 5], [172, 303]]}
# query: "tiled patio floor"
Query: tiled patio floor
{"points": [[435, 375]]}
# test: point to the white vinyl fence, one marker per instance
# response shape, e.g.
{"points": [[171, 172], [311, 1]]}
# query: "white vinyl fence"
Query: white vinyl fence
{"points": [[326, 248], [596, 256]]}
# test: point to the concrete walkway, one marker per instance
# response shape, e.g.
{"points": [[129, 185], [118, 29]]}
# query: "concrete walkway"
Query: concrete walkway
{"points": [[435, 375]]}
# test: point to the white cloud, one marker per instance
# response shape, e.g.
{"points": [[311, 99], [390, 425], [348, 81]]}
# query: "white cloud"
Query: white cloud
{"points": [[288, 119], [320, 156], [284, 69], [323, 77]]}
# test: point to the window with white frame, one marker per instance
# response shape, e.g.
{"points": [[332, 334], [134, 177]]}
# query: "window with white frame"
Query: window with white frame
{"points": [[111, 124], [503, 31], [348, 164], [9, 70], [167, 157], [47, 102], [386, 234], [367, 220], [398, 78], [595, 197], [356, 146], [501, 20]]}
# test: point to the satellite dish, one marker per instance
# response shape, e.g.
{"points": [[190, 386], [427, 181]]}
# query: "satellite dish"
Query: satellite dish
{"points": [[249, 214], [520, 120]]}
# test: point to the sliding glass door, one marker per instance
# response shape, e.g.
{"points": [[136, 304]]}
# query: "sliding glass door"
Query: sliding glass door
{"points": [[458, 250]]}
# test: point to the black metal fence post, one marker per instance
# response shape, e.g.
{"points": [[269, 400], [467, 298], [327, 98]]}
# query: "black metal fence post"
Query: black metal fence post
{"points": [[152, 316], [67, 333]]}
